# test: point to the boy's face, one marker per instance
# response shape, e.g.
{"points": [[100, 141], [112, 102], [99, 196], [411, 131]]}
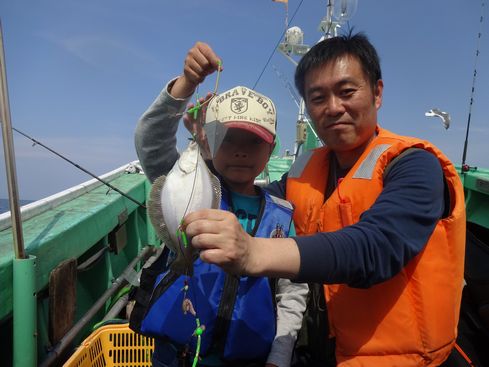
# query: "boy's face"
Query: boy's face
{"points": [[240, 158]]}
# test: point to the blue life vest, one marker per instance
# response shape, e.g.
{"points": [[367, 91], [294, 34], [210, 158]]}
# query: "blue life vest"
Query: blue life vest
{"points": [[238, 312]]}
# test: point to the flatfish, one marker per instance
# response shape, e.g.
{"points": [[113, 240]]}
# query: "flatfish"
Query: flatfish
{"points": [[189, 186]]}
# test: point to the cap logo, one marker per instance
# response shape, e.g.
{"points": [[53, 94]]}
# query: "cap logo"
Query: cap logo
{"points": [[239, 105]]}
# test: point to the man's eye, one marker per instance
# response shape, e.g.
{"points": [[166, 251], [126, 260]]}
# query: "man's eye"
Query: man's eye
{"points": [[347, 92], [316, 99]]}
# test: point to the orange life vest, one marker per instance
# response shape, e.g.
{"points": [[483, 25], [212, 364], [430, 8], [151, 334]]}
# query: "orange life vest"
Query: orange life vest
{"points": [[410, 319]]}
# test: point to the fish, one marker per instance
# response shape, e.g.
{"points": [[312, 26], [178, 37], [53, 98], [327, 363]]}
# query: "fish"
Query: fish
{"points": [[189, 186]]}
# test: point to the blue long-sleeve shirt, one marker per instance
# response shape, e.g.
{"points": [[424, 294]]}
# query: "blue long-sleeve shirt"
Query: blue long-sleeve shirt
{"points": [[391, 233]]}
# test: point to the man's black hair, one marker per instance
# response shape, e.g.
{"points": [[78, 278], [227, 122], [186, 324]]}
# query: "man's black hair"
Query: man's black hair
{"points": [[355, 45]]}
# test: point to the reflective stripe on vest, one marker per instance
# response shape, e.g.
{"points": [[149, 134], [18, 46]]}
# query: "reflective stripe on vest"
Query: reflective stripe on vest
{"points": [[366, 169], [299, 164]]}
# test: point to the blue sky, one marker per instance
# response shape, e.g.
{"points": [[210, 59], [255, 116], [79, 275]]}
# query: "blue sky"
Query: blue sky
{"points": [[80, 73]]}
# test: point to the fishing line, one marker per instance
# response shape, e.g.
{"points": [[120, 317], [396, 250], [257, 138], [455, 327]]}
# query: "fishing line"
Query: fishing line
{"points": [[198, 106], [80, 168], [194, 111], [276, 46], [200, 328], [181, 235], [465, 167]]}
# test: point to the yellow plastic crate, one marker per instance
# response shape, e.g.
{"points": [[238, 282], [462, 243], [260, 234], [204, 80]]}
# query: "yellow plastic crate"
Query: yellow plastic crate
{"points": [[113, 345]]}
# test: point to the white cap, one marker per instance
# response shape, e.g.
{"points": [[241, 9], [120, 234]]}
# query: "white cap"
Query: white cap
{"points": [[243, 108]]}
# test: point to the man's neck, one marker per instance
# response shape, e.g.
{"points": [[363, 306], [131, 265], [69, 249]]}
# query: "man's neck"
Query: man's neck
{"points": [[347, 159]]}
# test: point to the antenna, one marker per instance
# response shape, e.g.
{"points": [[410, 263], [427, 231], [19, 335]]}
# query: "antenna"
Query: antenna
{"points": [[303, 124], [336, 15], [287, 85], [293, 44], [466, 167]]}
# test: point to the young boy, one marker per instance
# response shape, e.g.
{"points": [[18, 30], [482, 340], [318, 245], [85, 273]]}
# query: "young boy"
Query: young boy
{"points": [[243, 326]]}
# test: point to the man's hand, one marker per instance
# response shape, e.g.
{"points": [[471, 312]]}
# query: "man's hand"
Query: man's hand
{"points": [[200, 62], [221, 239]]}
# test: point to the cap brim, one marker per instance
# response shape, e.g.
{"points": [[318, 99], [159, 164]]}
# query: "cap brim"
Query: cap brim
{"points": [[263, 133]]}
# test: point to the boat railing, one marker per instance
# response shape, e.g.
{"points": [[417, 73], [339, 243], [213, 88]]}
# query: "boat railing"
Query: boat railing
{"points": [[37, 207]]}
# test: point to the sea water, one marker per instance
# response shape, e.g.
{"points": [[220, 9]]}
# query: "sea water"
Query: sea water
{"points": [[4, 204]]}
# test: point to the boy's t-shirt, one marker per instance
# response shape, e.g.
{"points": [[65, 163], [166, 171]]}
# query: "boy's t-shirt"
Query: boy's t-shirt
{"points": [[246, 209]]}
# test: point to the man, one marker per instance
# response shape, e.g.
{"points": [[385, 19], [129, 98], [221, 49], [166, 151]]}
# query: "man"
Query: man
{"points": [[381, 217]]}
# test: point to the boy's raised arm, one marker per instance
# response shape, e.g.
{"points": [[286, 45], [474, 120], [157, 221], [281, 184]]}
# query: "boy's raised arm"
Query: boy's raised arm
{"points": [[200, 62], [155, 136]]}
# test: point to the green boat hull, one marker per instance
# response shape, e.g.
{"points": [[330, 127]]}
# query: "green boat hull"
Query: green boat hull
{"points": [[77, 229], [97, 219]]}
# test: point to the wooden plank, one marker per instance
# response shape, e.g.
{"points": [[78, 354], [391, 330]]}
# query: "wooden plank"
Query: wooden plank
{"points": [[62, 299]]}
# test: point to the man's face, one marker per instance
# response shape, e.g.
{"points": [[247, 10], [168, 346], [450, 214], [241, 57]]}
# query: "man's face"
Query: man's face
{"points": [[343, 105]]}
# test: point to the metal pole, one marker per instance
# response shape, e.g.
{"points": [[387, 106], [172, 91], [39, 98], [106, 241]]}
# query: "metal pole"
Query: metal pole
{"points": [[329, 19], [25, 312], [8, 148], [24, 268]]}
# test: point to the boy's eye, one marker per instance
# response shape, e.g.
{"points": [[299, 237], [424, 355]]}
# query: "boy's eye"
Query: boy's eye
{"points": [[256, 141], [229, 139], [249, 140]]}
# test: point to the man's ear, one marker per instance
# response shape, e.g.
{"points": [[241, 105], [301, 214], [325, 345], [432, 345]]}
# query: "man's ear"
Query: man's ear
{"points": [[378, 90]]}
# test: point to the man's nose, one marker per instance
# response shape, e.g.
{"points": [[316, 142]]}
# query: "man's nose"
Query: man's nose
{"points": [[334, 106]]}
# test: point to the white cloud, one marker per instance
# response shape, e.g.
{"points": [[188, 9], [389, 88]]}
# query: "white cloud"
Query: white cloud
{"points": [[106, 53]]}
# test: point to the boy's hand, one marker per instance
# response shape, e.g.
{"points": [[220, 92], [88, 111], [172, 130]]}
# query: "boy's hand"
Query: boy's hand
{"points": [[200, 62], [196, 126]]}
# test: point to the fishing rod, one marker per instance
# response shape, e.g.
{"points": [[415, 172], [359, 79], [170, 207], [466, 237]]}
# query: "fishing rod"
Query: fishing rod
{"points": [[80, 168], [465, 167]]}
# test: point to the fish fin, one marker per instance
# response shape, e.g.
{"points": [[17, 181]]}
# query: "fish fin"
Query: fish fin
{"points": [[216, 189], [182, 268], [155, 211], [183, 263]]}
